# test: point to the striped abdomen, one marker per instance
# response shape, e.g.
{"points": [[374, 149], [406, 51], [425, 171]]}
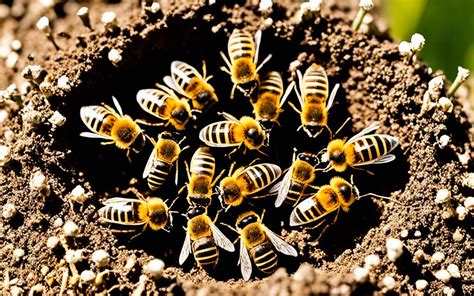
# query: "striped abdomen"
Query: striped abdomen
{"points": [[124, 212], [222, 134], [158, 174], [264, 257], [371, 147], [259, 176], [315, 85], [203, 163], [271, 83], [205, 252], [295, 192], [156, 102], [312, 208], [241, 45], [98, 119]]}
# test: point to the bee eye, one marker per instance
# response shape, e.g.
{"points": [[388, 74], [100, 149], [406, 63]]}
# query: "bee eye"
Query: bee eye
{"points": [[337, 157], [180, 114], [346, 191], [252, 133], [203, 97]]}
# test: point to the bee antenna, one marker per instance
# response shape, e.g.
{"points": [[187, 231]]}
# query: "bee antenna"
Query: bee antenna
{"points": [[380, 196], [342, 125]]}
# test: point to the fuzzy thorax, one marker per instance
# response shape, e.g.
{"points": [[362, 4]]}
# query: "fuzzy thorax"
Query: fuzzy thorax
{"points": [[231, 191], [124, 132], [154, 212], [243, 70]]}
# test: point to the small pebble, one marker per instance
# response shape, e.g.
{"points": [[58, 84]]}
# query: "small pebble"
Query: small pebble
{"points": [[114, 56], [421, 285], [449, 291], [131, 261], [52, 242], [417, 233], [9, 211], [458, 236], [18, 254], [109, 19], [469, 203], [361, 274], [444, 141], [461, 212], [5, 154], [58, 222], [57, 119], [87, 276], [404, 233], [442, 196], [437, 258], [443, 275], [155, 268], [78, 194], [71, 229], [63, 83], [372, 261], [44, 270], [389, 282], [453, 270], [38, 181], [394, 249], [74, 256], [100, 258]]}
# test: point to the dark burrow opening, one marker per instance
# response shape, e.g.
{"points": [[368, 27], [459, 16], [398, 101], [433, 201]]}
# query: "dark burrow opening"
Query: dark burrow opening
{"points": [[147, 61]]}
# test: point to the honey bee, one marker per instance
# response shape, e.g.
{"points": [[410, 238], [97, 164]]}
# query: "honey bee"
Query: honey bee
{"points": [[162, 158], [339, 194], [267, 107], [164, 104], [297, 179], [234, 133], [257, 239], [202, 239], [147, 212], [242, 63], [247, 181], [187, 81], [201, 178], [313, 99], [112, 126], [362, 149]]}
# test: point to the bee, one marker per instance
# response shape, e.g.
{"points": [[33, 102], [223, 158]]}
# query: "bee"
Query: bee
{"points": [[242, 63], [267, 107], [164, 104], [234, 133], [339, 194], [187, 81], [112, 126], [164, 155], [313, 99], [362, 149], [297, 179], [260, 241], [146, 212], [201, 177], [247, 181], [203, 238]]}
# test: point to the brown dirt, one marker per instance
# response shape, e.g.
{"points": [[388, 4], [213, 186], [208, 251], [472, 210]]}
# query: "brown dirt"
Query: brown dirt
{"points": [[377, 85]]}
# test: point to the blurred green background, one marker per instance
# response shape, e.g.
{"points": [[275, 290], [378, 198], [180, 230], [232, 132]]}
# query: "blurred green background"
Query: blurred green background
{"points": [[447, 25]]}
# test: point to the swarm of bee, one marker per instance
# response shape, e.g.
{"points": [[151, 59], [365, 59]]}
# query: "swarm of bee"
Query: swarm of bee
{"points": [[187, 94]]}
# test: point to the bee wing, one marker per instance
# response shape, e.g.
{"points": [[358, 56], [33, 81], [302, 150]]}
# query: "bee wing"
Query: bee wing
{"points": [[205, 130], [372, 127], [284, 187], [94, 136], [300, 80], [258, 39], [380, 160], [229, 117], [287, 93], [244, 261], [221, 240], [117, 106], [149, 163], [279, 243], [332, 96], [303, 207], [171, 84], [176, 67], [186, 250]]}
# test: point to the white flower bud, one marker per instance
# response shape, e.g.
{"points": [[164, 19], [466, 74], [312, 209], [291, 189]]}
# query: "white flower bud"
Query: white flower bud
{"points": [[462, 213], [43, 25], [87, 276], [444, 141], [265, 6], [109, 19], [417, 42], [155, 268], [71, 229], [73, 256], [18, 254], [9, 211], [463, 74], [442, 196], [52, 242], [63, 83], [366, 4], [114, 56], [435, 86], [372, 261], [361, 274], [394, 249], [445, 104], [100, 258], [453, 270], [404, 48], [421, 285], [389, 282], [78, 194], [443, 275]]}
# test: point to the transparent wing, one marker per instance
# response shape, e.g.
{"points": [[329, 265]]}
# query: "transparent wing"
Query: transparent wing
{"points": [[117, 106], [229, 117], [287, 93], [284, 188], [186, 250], [301, 93], [171, 84], [372, 127], [175, 69], [244, 261], [149, 163], [258, 39], [279, 243], [332, 96], [94, 136], [380, 160], [221, 240]]}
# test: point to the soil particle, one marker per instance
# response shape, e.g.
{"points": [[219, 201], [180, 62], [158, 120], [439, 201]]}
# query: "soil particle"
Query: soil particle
{"points": [[377, 84]]}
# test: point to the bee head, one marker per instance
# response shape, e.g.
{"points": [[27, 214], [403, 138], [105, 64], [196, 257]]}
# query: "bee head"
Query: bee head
{"points": [[204, 98], [181, 114], [254, 134], [309, 158], [195, 211], [246, 219]]}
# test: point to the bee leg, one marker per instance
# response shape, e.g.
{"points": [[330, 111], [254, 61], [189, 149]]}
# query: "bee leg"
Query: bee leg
{"points": [[263, 214], [128, 156], [327, 226], [135, 191], [138, 234], [329, 130], [342, 125], [230, 227], [314, 187], [173, 202], [294, 107], [232, 152], [364, 170], [216, 179], [144, 122], [263, 62], [261, 152], [107, 143], [232, 92], [182, 188], [253, 161]]}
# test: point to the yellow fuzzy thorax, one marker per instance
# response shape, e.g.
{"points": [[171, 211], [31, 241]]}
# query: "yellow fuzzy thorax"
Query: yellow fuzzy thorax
{"points": [[249, 123], [303, 172], [232, 192], [326, 197], [167, 150], [314, 114], [243, 70], [267, 107], [124, 132], [154, 212], [199, 227]]}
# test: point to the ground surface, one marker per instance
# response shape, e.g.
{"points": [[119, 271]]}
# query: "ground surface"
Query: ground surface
{"points": [[377, 85]]}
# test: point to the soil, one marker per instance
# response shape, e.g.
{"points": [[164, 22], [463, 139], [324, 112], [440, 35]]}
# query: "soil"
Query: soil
{"points": [[377, 84]]}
